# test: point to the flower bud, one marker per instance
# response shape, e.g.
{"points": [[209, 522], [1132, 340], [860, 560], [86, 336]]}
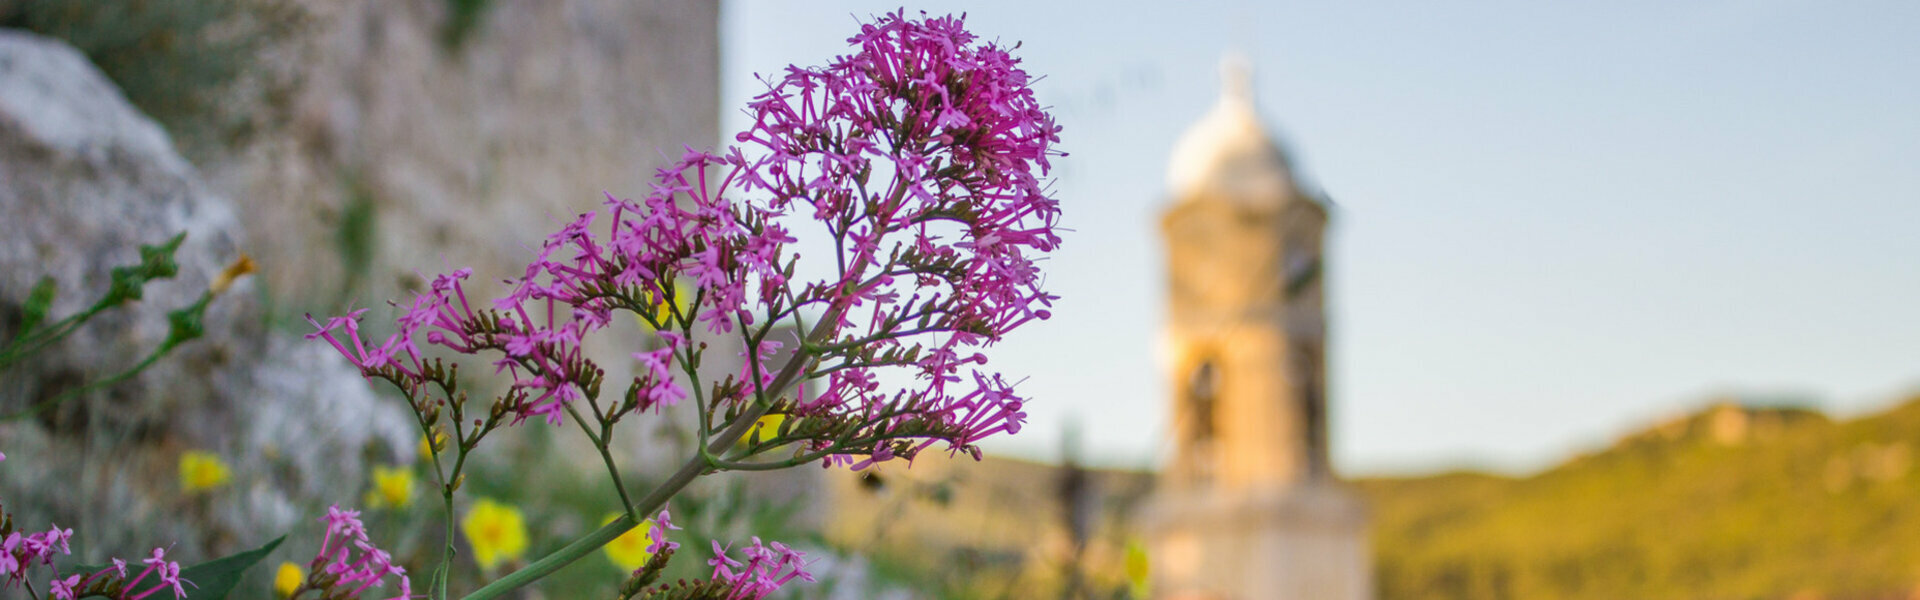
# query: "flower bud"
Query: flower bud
{"points": [[239, 268]]}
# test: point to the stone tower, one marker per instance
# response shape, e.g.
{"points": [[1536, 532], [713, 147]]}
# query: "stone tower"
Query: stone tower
{"points": [[1248, 508]]}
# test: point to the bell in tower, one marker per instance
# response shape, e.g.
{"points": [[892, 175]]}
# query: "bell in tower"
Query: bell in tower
{"points": [[1247, 507]]}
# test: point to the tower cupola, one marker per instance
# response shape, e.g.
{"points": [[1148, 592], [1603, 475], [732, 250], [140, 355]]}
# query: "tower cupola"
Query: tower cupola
{"points": [[1229, 154]]}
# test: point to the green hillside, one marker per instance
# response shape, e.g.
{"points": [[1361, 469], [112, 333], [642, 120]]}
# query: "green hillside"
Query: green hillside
{"points": [[1730, 503]]}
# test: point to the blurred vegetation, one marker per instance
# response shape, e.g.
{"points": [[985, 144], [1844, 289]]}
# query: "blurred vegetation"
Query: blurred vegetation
{"points": [[994, 529], [26, 332], [356, 236], [1730, 503], [463, 17], [196, 66], [533, 470]]}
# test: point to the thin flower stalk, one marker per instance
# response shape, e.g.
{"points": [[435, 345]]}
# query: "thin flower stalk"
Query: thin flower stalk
{"points": [[921, 158]]}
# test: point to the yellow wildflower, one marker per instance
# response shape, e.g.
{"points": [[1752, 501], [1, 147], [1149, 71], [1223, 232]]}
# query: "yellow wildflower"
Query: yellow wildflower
{"points": [[288, 578], [767, 428], [629, 551], [392, 486], [683, 298], [1137, 569], [496, 531], [201, 470]]}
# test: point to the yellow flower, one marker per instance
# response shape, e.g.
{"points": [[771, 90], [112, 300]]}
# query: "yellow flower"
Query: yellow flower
{"points": [[1137, 569], [288, 578], [201, 471], [426, 451], [392, 486], [496, 532], [767, 428], [629, 551], [682, 299]]}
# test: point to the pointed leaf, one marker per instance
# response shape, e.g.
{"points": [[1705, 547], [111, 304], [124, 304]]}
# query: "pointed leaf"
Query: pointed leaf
{"points": [[216, 577], [39, 303]]}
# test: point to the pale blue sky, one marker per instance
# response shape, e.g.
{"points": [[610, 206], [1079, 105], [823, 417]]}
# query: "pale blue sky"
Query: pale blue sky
{"points": [[1556, 222]]}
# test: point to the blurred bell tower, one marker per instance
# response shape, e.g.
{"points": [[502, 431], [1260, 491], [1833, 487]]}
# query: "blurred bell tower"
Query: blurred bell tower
{"points": [[1247, 507]]}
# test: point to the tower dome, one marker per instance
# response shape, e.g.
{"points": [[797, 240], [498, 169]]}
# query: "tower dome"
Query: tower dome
{"points": [[1228, 153]]}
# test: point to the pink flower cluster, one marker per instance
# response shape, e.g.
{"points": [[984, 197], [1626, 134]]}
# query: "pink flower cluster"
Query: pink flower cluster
{"points": [[921, 159], [941, 257], [19, 552], [766, 568], [539, 346], [346, 537]]}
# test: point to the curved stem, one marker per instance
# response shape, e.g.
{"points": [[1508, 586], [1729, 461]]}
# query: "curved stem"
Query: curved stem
{"points": [[694, 467], [32, 341], [43, 405], [448, 481], [771, 465], [444, 572], [601, 443]]}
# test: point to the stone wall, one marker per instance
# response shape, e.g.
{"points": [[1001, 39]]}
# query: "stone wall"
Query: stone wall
{"points": [[468, 155], [436, 157]]}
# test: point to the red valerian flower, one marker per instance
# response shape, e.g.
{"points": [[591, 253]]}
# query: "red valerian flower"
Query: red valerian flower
{"points": [[348, 563], [922, 158], [766, 567]]}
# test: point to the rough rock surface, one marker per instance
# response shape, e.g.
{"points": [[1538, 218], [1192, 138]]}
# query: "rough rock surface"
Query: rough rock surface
{"points": [[438, 157], [465, 156], [84, 180]]}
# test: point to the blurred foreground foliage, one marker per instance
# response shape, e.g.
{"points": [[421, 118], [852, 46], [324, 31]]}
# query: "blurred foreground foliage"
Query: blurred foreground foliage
{"points": [[561, 496], [1728, 503], [990, 530], [196, 66], [463, 18]]}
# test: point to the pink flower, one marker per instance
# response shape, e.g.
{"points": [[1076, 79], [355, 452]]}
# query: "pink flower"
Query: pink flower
{"points": [[355, 560], [64, 589], [921, 158], [767, 567], [656, 381], [657, 535], [406, 589], [167, 571], [20, 552]]}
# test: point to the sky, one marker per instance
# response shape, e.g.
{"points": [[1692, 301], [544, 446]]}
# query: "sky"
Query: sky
{"points": [[1553, 223]]}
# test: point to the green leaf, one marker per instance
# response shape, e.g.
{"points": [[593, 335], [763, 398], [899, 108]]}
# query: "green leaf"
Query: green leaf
{"points": [[156, 261], [185, 324], [39, 303], [124, 286], [216, 577]]}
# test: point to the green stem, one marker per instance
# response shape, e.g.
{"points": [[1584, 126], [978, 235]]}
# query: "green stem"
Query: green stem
{"points": [[772, 465], [440, 573], [593, 541], [30, 342], [695, 466], [457, 404], [601, 442], [176, 335], [113, 379], [444, 572]]}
